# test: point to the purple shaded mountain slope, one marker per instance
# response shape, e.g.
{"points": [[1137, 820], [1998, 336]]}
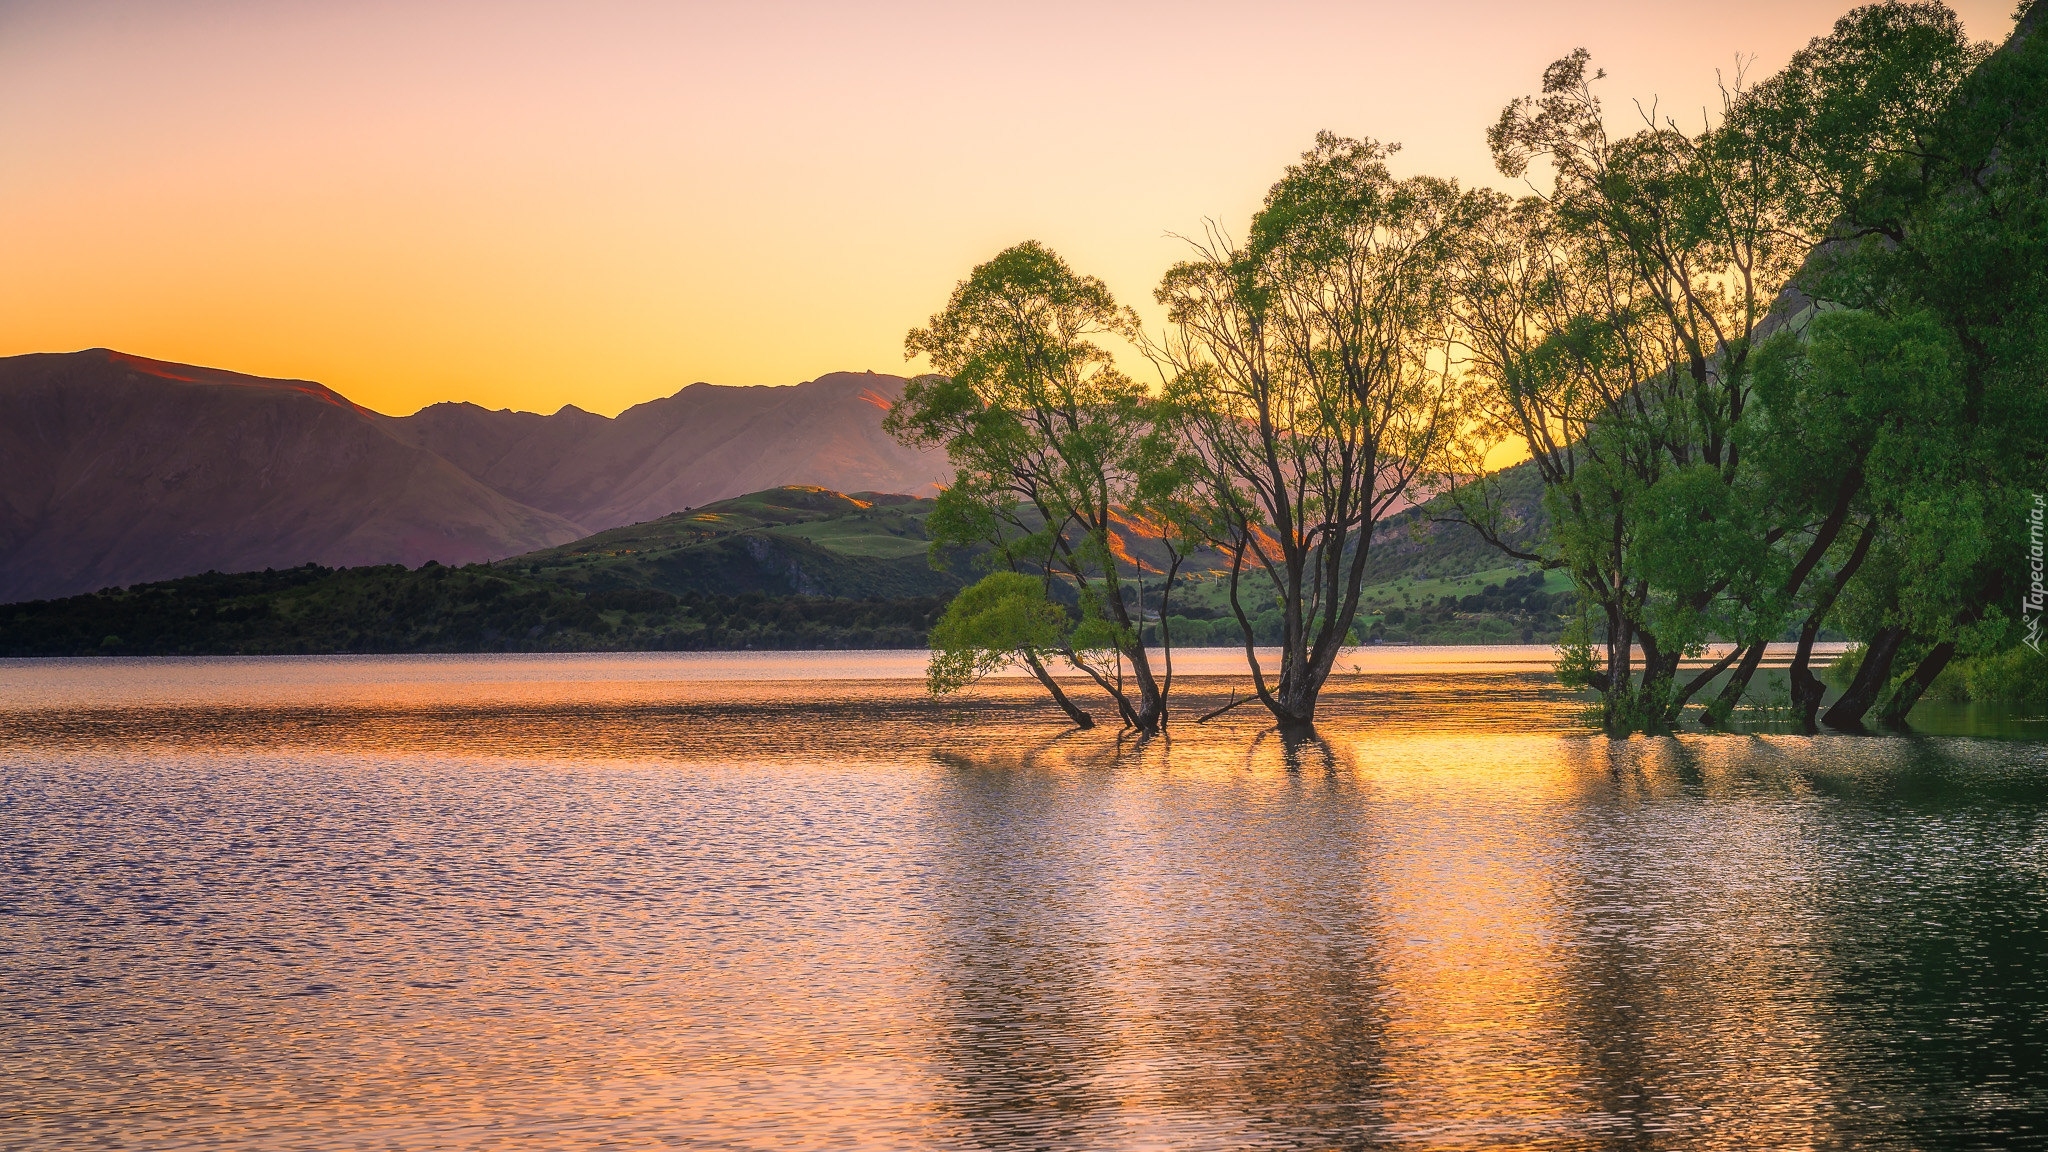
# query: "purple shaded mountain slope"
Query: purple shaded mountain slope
{"points": [[115, 469], [702, 444]]}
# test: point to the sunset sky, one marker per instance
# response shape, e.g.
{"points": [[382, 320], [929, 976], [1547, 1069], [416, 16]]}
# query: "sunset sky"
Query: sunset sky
{"points": [[527, 205]]}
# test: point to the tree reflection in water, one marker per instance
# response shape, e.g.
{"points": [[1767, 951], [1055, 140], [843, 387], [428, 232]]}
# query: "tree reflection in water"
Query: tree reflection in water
{"points": [[605, 900]]}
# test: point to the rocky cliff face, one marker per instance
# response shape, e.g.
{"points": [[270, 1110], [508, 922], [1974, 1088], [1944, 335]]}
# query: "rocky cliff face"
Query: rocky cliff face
{"points": [[116, 469]]}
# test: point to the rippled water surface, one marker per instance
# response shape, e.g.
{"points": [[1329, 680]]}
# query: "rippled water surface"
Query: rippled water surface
{"points": [[786, 901]]}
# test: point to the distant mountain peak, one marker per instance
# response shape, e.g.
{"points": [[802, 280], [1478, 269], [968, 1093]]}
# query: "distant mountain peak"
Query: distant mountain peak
{"points": [[193, 374], [122, 468]]}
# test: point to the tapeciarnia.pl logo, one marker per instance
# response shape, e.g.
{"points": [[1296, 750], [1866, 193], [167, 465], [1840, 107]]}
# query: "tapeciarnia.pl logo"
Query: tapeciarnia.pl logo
{"points": [[2030, 604]]}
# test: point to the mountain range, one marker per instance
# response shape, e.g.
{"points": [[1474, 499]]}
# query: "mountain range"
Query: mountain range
{"points": [[116, 469]]}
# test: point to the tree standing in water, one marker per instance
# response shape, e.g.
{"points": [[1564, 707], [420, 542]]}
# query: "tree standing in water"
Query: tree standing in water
{"points": [[1640, 396], [1956, 239], [1053, 449], [1001, 619], [1306, 372]]}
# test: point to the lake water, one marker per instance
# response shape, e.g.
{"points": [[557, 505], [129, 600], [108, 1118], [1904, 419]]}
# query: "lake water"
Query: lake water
{"points": [[782, 901]]}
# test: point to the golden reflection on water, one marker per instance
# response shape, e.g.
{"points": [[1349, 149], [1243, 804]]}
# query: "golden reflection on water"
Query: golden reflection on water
{"points": [[624, 902]]}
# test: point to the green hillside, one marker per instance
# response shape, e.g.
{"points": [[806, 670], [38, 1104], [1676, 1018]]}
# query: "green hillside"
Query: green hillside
{"points": [[791, 567], [1428, 581], [786, 568], [1420, 544], [795, 541]]}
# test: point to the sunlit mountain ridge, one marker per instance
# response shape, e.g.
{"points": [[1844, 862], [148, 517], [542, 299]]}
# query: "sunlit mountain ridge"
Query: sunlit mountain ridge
{"points": [[121, 469]]}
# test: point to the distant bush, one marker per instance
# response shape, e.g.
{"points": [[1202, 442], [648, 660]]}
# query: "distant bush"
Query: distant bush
{"points": [[1843, 668], [1190, 633], [632, 600], [2015, 676]]}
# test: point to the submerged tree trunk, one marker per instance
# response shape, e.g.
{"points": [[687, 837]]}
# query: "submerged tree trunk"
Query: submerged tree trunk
{"points": [[1132, 716], [1149, 715], [1081, 719], [1909, 691], [1153, 689], [1807, 689], [1700, 681], [1871, 678], [1684, 695], [1293, 704], [1618, 689], [1291, 701], [1731, 692], [1653, 697], [1306, 657], [1816, 549]]}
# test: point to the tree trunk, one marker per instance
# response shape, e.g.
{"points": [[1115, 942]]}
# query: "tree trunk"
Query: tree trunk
{"points": [[1081, 719], [1731, 692], [1660, 669], [1871, 678], [1149, 714], [1908, 693], [1294, 706], [1823, 539], [1700, 681], [1291, 698], [1616, 701], [1807, 689]]}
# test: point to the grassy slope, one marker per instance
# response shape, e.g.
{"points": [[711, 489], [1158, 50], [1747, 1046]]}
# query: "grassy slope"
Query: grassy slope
{"points": [[785, 541], [789, 567]]}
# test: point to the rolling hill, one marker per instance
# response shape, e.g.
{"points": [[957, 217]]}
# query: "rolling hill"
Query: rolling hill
{"points": [[800, 567], [119, 469], [799, 540], [790, 567]]}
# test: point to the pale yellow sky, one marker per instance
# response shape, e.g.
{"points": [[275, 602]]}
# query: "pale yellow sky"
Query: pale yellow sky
{"points": [[527, 204]]}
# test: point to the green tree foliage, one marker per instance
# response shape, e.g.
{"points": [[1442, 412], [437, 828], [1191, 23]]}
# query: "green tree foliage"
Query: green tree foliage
{"points": [[1777, 371], [1671, 252], [1056, 453], [1852, 412], [1001, 620], [1959, 235], [1307, 376], [1616, 322], [992, 624], [1549, 319]]}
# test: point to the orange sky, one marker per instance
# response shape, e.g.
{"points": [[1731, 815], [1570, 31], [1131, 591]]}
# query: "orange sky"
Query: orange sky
{"points": [[527, 204]]}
